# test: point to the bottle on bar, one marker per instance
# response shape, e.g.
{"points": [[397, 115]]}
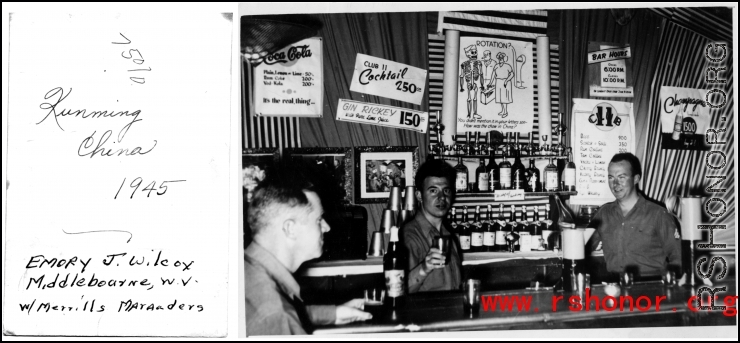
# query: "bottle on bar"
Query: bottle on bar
{"points": [[551, 177], [534, 183], [518, 172], [535, 230], [489, 234], [482, 177], [494, 175], [525, 239], [547, 229], [476, 234], [461, 176], [569, 174], [464, 229], [453, 220], [394, 268], [505, 174], [499, 227]]}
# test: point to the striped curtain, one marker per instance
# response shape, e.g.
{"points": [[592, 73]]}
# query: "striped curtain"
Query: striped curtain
{"points": [[667, 172], [265, 132], [521, 25]]}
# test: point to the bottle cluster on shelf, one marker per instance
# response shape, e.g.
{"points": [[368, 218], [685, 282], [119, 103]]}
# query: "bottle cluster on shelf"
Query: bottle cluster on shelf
{"points": [[527, 228], [505, 175]]}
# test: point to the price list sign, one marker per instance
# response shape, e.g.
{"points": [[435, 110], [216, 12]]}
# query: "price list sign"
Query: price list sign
{"points": [[382, 115], [602, 129], [289, 82], [389, 79]]}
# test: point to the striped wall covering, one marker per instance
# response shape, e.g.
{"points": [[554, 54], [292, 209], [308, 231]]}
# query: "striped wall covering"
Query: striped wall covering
{"points": [[711, 22], [266, 132], [682, 64]]}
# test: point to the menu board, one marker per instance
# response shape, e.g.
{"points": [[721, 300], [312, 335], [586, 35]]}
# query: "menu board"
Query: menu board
{"points": [[601, 129], [290, 81]]}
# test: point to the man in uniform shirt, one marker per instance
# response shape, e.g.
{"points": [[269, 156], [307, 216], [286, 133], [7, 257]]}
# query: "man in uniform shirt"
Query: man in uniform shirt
{"points": [[637, 235], [287, 229], [429, 269]]}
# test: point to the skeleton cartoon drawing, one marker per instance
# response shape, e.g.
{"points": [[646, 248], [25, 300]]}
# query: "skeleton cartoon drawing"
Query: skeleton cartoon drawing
{"points": [[471, 71]]}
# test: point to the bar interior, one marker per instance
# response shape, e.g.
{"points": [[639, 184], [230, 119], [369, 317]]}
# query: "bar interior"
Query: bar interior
{"points": [[588, 177]]}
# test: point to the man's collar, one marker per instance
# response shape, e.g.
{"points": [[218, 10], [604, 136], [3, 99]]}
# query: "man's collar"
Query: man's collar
{"points": [[274, 268]]}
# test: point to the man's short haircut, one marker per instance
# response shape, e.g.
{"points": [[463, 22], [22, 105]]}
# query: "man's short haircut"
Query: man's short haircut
{"points": [[273, 196], [434, 168], [631, 159]]}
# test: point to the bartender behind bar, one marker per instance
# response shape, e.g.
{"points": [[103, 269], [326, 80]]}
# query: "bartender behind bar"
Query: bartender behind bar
{"points": [[429, 270], [638, 236]]}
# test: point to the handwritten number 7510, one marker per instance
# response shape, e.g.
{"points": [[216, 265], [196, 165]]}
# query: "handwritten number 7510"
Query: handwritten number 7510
{"points": [[129, 55], [136, 183]]}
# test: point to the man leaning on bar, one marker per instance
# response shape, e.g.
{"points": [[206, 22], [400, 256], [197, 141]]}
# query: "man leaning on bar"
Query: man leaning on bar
{"points": [[429, 270], [286, 218], [638, 236]]}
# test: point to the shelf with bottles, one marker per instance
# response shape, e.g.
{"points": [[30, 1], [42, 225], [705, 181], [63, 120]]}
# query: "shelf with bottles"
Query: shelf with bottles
{"points": [[498, 156], [490, 195]]}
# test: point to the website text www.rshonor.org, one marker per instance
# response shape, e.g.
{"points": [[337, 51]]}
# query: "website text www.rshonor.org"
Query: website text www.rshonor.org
{"points": [[588, 302]]}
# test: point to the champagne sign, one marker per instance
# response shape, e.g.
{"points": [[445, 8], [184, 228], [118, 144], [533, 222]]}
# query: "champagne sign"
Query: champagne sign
{"points": [[377, 76], [601, 130], [684, 118], [382, 115]]}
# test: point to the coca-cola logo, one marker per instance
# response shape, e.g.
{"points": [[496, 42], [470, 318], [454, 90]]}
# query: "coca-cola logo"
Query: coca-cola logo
{"points": [[294, 53]]}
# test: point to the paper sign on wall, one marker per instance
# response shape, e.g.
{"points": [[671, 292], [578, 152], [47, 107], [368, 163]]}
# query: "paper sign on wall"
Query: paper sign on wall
{"points": [[601, 130], [610, 73], [382, 115], [290, 82], [496, 89], [389, 79], [684, 118], [118, 184]]}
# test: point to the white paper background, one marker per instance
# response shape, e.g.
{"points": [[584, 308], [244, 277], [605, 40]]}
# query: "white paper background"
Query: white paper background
{"points": [[185, 107]]}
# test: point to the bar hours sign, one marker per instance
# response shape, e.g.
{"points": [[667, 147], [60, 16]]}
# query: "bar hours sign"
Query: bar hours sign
{"points": [[601, 129], [609, 69], [377, 76], [382, 115], [290, 81]]}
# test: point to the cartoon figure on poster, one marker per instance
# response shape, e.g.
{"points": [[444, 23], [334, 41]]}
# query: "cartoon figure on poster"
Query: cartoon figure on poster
{"points": [[506, 95], [471, 71]]}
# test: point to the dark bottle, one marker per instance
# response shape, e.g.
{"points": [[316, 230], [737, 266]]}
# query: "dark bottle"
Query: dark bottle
{"points": [[518, 174], [505, 174], [535, 229], [489, 234], [569, 174], [464, 229], [525, 239], [476, 234], [453, 220], [534, 183], [494, 175], [551, 234], [482, 177], [513, 228], [461, 178], [551, 177], [499, 227], [394, 267]]}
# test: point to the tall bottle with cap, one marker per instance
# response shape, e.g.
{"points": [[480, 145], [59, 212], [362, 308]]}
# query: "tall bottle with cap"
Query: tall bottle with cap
{"points": [[395, 265], [465, 231], [476, 234], [489, 234]]}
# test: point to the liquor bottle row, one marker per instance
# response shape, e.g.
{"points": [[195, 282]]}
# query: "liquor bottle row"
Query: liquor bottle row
{"points": [[507, 147], [501, 176], [495, 232]]}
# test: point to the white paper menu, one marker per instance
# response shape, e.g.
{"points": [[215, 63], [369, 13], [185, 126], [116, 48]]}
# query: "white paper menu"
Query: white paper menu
{"points": [[117, 174]]}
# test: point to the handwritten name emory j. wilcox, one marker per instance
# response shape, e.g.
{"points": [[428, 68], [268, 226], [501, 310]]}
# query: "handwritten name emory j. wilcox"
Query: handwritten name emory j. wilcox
{"points": [[91, 146]]}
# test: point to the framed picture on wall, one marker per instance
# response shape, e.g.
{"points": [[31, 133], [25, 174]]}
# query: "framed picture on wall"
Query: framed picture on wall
{"points": [[257, 165], [332, 168], [378, 169]]}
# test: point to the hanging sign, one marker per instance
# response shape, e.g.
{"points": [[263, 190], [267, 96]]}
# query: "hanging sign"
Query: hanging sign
{"points": [[377, 76], [290, 82], [382, 115], [601, 130], [609, 71], [496, 89], [684, 118]]}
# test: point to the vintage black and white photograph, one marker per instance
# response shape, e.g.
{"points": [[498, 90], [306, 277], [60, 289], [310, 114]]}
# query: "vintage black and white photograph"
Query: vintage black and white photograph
{"points": [[491, 172]]}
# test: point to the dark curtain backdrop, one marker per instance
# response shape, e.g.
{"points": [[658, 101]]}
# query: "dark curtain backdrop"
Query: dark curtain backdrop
{"points": [[399, 37]]}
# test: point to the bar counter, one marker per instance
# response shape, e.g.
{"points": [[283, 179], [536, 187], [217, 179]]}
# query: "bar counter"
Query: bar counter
{"points": [[443, 311]]}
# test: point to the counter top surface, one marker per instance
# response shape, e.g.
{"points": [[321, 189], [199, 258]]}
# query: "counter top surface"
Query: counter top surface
{"points": [[444, 311]]}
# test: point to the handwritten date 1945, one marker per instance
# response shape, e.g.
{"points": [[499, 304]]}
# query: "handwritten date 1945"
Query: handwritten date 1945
{"points": [[149, 188]]}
